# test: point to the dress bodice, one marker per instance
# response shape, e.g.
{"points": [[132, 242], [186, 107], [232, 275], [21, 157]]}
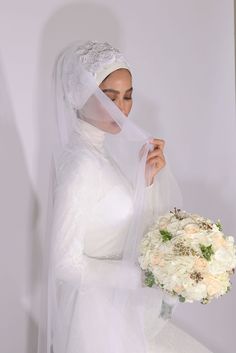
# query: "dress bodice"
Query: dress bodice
{"points": [[96, 202], [110, 214], [109, 221]]}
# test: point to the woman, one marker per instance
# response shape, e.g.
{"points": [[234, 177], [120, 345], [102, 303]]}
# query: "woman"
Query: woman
{"points": [[110, 184]]}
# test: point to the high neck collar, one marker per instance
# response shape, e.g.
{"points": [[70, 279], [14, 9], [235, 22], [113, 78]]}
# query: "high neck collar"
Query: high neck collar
{"points": [[90, 133]]}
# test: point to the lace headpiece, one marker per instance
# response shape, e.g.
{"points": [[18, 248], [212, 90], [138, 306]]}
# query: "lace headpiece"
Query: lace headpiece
{"points": [[101, 59], [78, 61]]}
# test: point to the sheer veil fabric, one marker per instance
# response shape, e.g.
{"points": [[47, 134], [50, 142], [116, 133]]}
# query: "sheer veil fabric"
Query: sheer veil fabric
{"points": [[100, 205]]}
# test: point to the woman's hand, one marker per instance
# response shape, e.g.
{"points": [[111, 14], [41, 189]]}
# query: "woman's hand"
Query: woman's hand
{"points": [[155, 159]]}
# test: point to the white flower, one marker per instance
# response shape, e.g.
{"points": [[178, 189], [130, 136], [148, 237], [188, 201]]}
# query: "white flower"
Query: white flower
{"points": [[173, 227], [223, 256], [191, 228], [163, 222], [179, 264], [195, 292]]}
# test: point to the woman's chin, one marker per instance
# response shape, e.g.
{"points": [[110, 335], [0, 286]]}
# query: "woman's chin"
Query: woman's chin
{"points": [[114, 128]]}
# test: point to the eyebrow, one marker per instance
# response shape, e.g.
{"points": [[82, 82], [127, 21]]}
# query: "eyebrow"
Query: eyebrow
{"points": [[110, 90]]}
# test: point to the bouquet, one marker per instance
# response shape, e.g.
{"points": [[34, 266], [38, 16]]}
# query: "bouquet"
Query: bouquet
{"points": [[188, 256]]}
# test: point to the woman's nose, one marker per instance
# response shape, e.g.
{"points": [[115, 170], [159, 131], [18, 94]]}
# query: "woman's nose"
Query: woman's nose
{"points": [[121, 105]]}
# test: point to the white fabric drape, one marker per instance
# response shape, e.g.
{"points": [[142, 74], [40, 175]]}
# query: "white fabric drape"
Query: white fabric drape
{"points": [[101, 206]]}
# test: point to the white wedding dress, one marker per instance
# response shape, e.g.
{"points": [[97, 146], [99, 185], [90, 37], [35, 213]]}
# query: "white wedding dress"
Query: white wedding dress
{"points": [[93, 208]]}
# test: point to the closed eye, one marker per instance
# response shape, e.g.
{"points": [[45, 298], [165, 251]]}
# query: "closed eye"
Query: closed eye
{"points": [[112, 97]]}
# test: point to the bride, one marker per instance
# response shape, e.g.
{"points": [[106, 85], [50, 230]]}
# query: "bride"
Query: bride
{"points": [[110, 182]]}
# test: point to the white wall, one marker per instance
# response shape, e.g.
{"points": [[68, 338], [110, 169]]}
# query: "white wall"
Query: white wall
{"points": [[182, 53]]}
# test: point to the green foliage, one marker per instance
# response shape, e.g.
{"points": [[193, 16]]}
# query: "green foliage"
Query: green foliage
{"points": [[149, 279], [207, 251], [219, 226], [181, 298], [166, 235]]}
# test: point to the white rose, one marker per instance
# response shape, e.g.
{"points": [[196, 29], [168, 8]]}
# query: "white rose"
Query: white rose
{"points": [[191, 229], [163, 222], [216, 267], [186, 221], [196, 292], [224, 256], [173, 227], [215, 285]]}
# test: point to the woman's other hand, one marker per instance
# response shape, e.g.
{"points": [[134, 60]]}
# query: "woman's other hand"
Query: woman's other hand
{"points": [[155, 159]]}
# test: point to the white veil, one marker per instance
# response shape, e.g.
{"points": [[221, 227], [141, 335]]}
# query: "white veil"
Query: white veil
{"points": [[110, 311]]}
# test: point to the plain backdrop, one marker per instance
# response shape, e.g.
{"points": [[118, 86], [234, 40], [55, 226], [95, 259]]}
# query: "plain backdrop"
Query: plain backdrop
{"points": [[182, 58]]}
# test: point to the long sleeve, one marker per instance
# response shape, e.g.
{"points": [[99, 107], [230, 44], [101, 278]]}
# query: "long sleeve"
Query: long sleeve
{"points": [[75, 196]]}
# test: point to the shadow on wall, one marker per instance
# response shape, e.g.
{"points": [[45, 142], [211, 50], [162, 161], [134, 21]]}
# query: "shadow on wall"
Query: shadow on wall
{"points": [[75, 21], [18, 207], [69, 23]]}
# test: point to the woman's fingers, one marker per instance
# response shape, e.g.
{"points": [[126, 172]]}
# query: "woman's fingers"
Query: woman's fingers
{"points": [[158, 146], [156, 160], [157, 164], [158, 143], [155, 153]]}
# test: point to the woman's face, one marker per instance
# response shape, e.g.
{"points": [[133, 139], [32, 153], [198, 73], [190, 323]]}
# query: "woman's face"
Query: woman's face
{"points": [[118, 87]]}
